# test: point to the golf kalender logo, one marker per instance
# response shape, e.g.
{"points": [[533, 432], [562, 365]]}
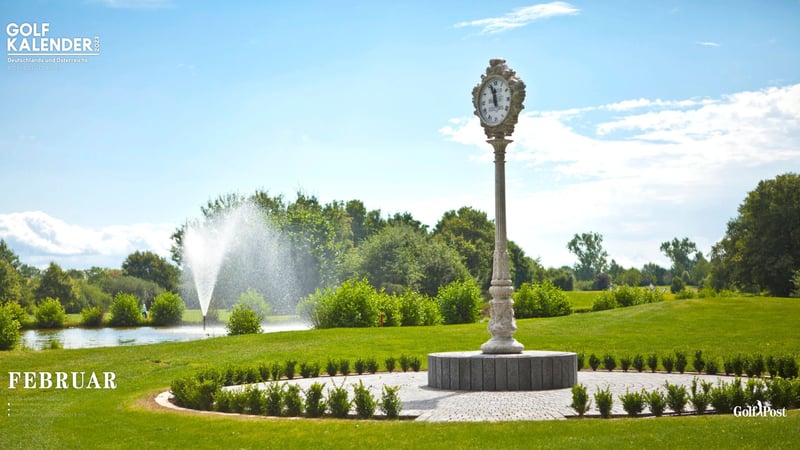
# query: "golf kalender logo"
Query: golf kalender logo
{"points": [[32, 42]]}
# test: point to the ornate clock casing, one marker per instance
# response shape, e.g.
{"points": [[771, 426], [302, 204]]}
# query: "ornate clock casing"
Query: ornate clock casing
{"points": [[498, 99]]}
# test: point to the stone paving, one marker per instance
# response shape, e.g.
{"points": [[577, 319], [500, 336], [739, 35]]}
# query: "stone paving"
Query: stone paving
{"points": [[436, 405]]}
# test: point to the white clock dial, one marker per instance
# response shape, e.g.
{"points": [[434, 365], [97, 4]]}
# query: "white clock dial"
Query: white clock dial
{"points": [[494, 101]]}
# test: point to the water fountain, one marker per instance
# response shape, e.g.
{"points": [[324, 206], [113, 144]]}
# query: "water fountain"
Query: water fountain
{"points": [[238, 250]]}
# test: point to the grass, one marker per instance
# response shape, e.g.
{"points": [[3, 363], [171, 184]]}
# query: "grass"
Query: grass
{"points": [[125, 417]]}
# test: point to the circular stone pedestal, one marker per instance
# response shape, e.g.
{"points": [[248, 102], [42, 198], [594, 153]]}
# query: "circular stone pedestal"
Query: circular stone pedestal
{"points": [[526, 371]]}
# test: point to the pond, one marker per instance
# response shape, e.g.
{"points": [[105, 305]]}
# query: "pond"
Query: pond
{"points": [[113, 337]]}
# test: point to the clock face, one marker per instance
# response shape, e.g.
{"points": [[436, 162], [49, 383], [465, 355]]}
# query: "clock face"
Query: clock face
{"points": [[494, 101]]}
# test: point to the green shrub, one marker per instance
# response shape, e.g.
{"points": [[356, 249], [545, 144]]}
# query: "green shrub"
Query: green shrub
{"points": [[352, 304], [251, 298], [684, 294], [167, 309], [787, 367], [676, 397], [390, 402], [339, 401], [627, 296], [360, 366], [632, 402], [389, 363], [594, 362], [677, 285], [275, 371], [540, 300], [755, 392], [754, 365], [223, 400], [625, 363], [656, 402], [253, 399], [652, 362], [698, 363], [293, 401], [701, 397], [668, 362], [416, 363], [309, 370], [364, 400], [580, 399], [50, 314], [17, 312], [604, 301], [609, 363], [726, 396], [289, 368], [711, 366], [372, 365], [405, 363], [604, 401], [273, 399], [125, 311], [771, 365], [9, 329], [92, 317], [315, 403], [243, 320], [418, 309], [780, 393], [191, 393], [680, 361], [389, 309], [707, 292], [460, 302], [344, 366], [332, 367], [638, 362], [581, 360]]}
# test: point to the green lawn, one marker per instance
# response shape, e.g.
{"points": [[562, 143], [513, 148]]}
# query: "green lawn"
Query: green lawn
{"points": [[125, 418]]}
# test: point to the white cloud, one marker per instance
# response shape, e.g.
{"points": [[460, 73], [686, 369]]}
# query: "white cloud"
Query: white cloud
{"points": [[520, 17], [39, 238], [641, 171], [708, 43]]}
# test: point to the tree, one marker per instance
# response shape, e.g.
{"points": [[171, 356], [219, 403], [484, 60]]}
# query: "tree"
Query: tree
{"points": [[8, 255], [10, 284], [55, 283], [149, 266], [524, 269], [470, 233], [592, 259], [653, 274], [362, 222], [761, 247], [683, 254]]}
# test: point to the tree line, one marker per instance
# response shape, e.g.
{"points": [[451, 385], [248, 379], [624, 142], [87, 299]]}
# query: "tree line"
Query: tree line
{"points": [[337, 241]]}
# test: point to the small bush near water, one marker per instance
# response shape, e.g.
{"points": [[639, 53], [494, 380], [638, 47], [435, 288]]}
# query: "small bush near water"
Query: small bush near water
{"points": [[167, 309], [9, 329], [125, 311], [50, 314], [243, 320]]}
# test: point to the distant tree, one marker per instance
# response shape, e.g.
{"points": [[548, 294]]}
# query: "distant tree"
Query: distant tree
{"points": [[761, 247], [592, 259], [55, 283], [149, 266], [401, 258], [653, 274], [10, 284], [8, 255], [602, 281], [683, 254], [143, 290], [406, 218], [362, 222], [615, 270], [524, 269], [631, 277], [470, 233], [255, 301], [562, 278]]}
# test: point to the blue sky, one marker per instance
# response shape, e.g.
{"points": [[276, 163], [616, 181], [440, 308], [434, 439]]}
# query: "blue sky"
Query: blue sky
{"points": [[643, 121]]}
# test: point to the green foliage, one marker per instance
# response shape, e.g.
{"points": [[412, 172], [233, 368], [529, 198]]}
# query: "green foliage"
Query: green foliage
{"points": [[10, 283], [125, 311], [711, 366], [625, 363], [676, 397], [189, 392], [471, 234], [389, 363], [700, 395], [50, 314], [795, 284], [315, 404], [344, 366], [243, 320], [680, 361], [405, 363], [9, 329], [609, 363], [389, 308], [684, 294], [275, 371], [638, 362], [668, 361], [684, 256], [580, 399], [540, 300], [460, 302], [339, 402], [293, 401], [167, 309], [371, 365], [652, 362], [760, 250], [677, 285], [698, 363], [781, 394], [419, 309], [273, 399], [592, 259], [605, 301], [727, 395], [332, 367], [364, 401], [55, 283], [309, 370], [656, 402], [581, 360], [151, 267], [604, 401], [255, 301], [92, 317], [143, 290], [633, 402], [17, 312], [390, 402], [594, 362], [352, 304], [289, 368]]}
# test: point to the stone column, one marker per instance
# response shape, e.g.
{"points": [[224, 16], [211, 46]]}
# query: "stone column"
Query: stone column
{"points": [[502, 325]]}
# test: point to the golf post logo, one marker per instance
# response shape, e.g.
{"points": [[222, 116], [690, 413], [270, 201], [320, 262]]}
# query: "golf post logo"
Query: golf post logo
{"points": [[33, 45], [758, 410]]}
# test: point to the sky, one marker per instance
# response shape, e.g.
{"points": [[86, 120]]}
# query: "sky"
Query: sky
{"points": [[643, 121]]}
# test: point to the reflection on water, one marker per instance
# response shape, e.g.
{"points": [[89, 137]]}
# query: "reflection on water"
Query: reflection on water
{"points": [[113, 337]]}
